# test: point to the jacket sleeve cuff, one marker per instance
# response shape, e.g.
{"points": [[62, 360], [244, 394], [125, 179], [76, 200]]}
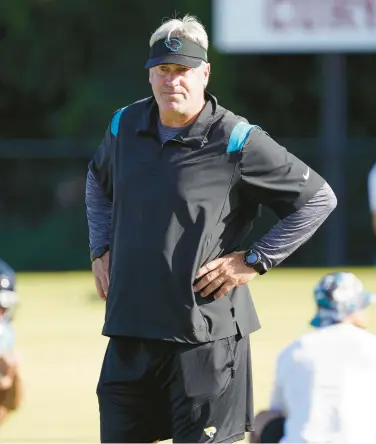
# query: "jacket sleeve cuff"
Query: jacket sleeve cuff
{"points": [[98, 252]]}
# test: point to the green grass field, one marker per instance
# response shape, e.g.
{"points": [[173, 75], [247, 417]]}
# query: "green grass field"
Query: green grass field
{"points": [[59, 334]]}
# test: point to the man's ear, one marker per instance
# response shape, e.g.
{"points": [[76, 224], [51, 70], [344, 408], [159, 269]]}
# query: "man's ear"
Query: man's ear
{"points": [[207, 73]]}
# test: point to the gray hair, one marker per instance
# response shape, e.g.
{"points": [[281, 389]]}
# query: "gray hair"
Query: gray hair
{"points": [[188, 27]]}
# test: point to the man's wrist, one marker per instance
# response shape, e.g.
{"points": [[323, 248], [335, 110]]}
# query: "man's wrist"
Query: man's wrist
{"points": [[98, 252]]}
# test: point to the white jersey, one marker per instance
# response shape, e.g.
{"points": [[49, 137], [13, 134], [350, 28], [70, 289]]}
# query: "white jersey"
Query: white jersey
{"points": [[6, 337], [372, 189], [326, 387]]}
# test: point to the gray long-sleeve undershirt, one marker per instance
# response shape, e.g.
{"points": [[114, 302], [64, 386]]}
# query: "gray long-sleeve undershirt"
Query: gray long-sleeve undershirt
{"points": [[275, 246], [98, 213], [294, 230]]}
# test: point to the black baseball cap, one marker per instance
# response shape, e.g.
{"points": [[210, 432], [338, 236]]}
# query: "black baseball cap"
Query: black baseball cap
{"points": [[177, 50]]}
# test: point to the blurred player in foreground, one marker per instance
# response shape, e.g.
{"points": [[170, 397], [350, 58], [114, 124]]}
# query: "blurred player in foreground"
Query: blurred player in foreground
{"points": [[10, 381], [325, 383], [371, 186]]}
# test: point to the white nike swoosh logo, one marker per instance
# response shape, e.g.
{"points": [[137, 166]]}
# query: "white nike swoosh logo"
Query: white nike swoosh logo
{"points": [[306, 175]]}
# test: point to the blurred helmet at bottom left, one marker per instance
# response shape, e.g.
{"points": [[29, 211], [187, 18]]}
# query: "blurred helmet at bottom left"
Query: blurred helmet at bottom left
{"points": [[8, 295]]}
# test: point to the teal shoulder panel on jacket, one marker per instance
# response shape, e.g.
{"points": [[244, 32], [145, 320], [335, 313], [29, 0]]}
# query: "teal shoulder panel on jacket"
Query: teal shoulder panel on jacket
{"points": [[238, 136]]}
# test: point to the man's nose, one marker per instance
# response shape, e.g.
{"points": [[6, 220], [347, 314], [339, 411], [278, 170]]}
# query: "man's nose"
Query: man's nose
{"points": [[172, 80]]}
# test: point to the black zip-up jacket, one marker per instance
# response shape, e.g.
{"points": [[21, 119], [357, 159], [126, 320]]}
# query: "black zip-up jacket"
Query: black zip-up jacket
{"points": [[179, 205]]}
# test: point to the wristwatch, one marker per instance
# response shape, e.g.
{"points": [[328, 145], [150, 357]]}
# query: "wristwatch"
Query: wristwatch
{"points": [[252, 258]]}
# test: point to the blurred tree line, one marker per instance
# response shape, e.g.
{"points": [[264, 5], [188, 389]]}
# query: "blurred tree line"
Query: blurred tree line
{"points": [[67, 64]]}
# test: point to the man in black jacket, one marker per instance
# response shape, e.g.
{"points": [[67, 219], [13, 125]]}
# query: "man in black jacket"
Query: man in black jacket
{"points": [[171, 194]]}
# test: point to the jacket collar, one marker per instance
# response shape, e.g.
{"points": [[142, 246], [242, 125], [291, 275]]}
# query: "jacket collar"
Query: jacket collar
{"points": [[194, 135]]}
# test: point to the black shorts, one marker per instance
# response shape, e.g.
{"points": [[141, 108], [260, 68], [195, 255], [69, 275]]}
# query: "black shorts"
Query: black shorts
{"points": [[273, 431], [153, 390]]}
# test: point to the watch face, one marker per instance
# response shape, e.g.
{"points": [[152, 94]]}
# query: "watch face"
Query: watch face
{"points": [[252, 259]]}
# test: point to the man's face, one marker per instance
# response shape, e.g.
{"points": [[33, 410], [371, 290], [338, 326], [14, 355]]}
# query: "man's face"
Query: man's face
{"points": [[179, 89]]}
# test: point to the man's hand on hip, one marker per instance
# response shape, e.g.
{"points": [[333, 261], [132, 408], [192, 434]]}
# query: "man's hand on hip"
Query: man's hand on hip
{"points": [[100, 267], [222, 275]]}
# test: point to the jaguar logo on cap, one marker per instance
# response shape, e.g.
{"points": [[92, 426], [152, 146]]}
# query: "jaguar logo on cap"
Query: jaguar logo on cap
{"points": [[173, 44]]}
